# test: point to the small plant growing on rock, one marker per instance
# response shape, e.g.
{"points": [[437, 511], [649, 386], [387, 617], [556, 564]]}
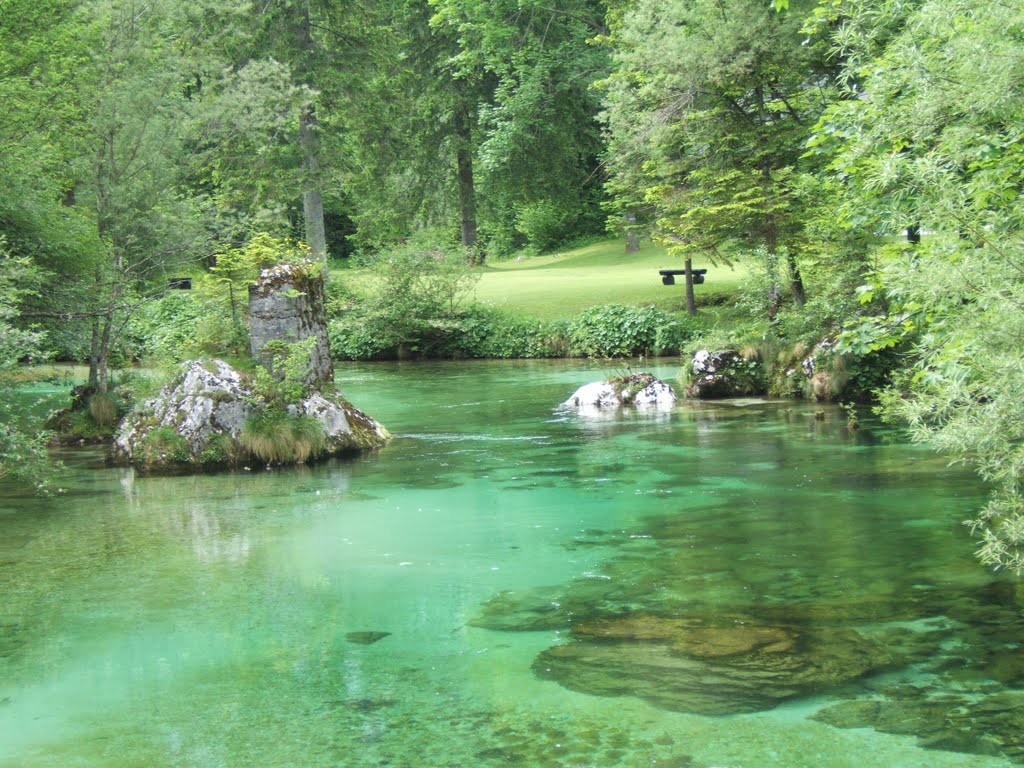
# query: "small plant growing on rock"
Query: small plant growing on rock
{"points": [[283, 378], [629, 385]]}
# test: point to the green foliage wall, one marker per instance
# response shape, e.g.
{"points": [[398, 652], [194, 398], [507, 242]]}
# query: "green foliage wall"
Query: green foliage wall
{"points": [[934, 140]]}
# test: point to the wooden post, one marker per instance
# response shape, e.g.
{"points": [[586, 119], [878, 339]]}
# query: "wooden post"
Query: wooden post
{"points": [[691, 302]]}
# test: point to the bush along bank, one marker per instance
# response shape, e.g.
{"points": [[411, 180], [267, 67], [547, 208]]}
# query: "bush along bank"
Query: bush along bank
{"points": [[612, 330]]}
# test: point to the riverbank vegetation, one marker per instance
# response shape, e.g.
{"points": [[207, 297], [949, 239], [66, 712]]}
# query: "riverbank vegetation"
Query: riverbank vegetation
{"points": [[848, 171]]}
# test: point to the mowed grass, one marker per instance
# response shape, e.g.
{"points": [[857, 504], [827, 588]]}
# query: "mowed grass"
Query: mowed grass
{"points": [[560, 285]]}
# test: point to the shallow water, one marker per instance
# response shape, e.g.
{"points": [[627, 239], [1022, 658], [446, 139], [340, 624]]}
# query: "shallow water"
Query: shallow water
{"points": [[510, 585]]}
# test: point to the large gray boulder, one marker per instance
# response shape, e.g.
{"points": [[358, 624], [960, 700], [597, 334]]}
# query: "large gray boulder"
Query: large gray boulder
{"points": [[198, 418], [724, 373]]}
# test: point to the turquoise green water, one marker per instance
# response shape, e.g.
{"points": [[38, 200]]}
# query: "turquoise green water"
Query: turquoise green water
{"points": [[737, 584]]}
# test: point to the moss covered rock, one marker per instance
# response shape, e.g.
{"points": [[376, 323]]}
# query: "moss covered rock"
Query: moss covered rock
{"points": [[724, 373], [286, 304], [639, 389], [200, 419]]}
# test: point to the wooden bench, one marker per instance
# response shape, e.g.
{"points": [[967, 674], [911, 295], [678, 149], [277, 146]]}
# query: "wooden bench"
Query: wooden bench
{"points": [[668, 276]]}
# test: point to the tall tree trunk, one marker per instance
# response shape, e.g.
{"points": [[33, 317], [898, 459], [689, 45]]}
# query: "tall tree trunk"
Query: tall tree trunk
{"points": [[796, 280], [770, 229], [312, 200], [103, 356], [94, 355], [774, 289], [467, 190], [691, 301], [632, 233]]}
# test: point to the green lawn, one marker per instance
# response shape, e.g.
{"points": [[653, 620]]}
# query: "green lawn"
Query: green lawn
{"points": [[560, 285]]}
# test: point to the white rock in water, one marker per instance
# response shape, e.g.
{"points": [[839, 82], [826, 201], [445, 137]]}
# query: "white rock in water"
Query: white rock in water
{"points": [[641, 389]]}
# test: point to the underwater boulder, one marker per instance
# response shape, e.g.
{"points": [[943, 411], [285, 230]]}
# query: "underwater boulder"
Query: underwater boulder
{"points": [[709, 669]]}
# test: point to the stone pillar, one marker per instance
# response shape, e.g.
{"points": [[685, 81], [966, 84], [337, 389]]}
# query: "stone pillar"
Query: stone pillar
{"points": [[286, 303]]}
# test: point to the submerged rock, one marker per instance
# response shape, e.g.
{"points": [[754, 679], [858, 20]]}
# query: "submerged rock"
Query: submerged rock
{"points": [[641, 389], [198, 418], [707, 668], [725, 373], [972, 723], [366, 638]]}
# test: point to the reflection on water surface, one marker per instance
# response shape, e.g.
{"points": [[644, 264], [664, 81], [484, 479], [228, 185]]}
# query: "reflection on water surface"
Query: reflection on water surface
{"points": [[508, 584]]}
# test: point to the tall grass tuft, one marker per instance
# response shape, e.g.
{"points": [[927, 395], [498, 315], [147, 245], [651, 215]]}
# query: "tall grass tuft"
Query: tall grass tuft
{"points": [[278, 438], [103, 409]]}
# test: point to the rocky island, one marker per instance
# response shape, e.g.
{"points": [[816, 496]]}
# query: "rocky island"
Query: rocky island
{"points": [[286, 410]]}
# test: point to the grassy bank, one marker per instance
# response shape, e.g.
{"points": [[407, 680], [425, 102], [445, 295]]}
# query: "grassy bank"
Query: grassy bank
{"points": [[560, 285]]}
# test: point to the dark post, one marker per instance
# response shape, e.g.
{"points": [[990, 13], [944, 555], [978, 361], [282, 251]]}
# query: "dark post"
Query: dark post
{"points": [[691, 302]]}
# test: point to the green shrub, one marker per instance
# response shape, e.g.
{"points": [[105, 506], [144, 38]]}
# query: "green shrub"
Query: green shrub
{"points": [[615, 330], [543, 223], [483, 332], [476, 332], [354, 336], [419, 288], [163, 328], [221, 450], [282, 376], [275, 437]]}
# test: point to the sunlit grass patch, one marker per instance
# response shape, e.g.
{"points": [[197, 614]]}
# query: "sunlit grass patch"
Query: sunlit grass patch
{"points": [[563, 284]]}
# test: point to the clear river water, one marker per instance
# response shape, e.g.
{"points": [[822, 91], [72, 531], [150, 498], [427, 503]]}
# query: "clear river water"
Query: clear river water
{"points": [[739, 583]]}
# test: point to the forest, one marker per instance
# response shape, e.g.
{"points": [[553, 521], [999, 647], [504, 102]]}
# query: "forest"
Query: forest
{"points": [[862, 162]]}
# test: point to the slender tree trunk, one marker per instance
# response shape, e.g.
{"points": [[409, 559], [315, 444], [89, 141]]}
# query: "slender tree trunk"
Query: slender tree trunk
{"points": [[467, 190], [796, 280], [312, 197], [774, 289], [691, 301], [94, 355], [103, 358], [770, 230], [312, 200], [632, 233]]}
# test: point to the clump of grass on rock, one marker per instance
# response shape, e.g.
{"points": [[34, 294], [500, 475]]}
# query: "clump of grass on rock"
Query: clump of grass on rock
{"points": [[276, 437]]}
